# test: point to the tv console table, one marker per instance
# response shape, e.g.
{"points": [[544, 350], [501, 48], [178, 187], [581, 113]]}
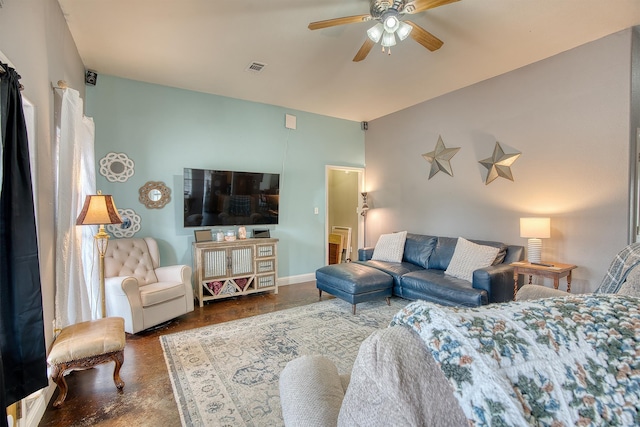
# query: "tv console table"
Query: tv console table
{"points": [[233, 268]]}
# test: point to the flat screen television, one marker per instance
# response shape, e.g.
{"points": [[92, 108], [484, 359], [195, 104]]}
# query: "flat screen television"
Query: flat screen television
{"points": [[216, 197]]}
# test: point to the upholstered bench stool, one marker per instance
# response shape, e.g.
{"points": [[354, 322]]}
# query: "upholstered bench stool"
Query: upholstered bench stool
{"points": [[353, 282], [85, 345]]}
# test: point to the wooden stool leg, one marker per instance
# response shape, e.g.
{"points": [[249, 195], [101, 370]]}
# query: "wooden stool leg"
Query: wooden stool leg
{"points": [[353, 308], [388, 300], [57, 375], [57, 371], [118, 358], [319, 294]]}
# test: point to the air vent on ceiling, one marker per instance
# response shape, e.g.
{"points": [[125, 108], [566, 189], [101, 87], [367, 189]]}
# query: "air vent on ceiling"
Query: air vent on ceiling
{"points": [[255, 67]]}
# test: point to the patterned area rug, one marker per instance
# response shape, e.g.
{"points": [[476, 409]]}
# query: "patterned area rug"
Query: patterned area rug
{"points": [[227, 374]]}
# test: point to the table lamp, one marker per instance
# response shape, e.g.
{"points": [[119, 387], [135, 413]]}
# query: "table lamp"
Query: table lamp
{"points": [[99, 209], [535, 229]]}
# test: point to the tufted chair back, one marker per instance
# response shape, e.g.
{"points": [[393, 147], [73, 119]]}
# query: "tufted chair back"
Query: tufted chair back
{"points": [[132, 257]]}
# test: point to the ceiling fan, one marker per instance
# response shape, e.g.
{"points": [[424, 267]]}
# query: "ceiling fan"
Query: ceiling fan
{"points": [[388, 14]]}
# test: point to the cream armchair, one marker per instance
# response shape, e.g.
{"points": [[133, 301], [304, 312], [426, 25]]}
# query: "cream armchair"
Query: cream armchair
{"points": [[139, 290]]}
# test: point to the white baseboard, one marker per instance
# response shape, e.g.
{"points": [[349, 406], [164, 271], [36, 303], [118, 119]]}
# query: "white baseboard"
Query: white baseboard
{"points": [[300, 278], [33, 407]]}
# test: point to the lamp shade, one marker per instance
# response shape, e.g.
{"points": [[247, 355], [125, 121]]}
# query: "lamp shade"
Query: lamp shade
{"points": [[388, 39], [404, 30], [375, 32], [539, 228], [98, 209]]}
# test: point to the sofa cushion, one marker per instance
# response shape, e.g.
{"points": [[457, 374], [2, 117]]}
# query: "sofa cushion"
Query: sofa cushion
{"points": [[442, 253], [434, 285], [396, 382], [390, 247], [394, 269], [159, 292], [311, 392], [468, 257], [130, 257], [418, 249], [352, 278]]}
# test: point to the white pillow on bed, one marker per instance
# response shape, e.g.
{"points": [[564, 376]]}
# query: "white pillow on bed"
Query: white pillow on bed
{"points": [[390, 247], [468, 257]]}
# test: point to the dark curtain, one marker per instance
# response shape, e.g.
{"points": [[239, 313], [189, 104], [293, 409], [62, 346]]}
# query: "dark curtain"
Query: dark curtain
{"points": [[22, 344]]}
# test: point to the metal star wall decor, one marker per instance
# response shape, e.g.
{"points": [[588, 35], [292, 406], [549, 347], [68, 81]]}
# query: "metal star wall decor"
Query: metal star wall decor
{"points": [[499, 164], [440, 158]]}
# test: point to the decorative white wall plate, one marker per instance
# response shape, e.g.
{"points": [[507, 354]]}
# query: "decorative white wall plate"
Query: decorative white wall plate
{"points": [[130, 224], [116, 167]]}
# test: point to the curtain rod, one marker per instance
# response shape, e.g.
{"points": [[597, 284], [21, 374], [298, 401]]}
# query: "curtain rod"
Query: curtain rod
{"points": [[61, 85], [2, 71], [8, 63]]}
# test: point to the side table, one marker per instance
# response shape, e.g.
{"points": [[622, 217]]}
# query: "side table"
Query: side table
{"points": [[555, 270]]}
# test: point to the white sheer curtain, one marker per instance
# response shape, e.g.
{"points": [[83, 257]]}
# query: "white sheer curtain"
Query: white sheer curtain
{"points": [[76, 265]]}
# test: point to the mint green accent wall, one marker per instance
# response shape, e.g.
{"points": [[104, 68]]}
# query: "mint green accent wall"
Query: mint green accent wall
{"points": [[165, 129]]}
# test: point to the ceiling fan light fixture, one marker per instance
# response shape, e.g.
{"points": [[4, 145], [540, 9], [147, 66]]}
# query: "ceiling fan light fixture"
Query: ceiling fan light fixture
{"points": [[375, 32], [388, 39], [404, 30], [391, 23]]}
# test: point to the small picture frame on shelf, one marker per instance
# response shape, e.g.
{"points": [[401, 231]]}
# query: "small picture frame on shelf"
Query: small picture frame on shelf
{"points": [[202, 235]]}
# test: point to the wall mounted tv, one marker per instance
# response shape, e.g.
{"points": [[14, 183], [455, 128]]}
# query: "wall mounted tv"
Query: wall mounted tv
{"points": [[215, 197]]}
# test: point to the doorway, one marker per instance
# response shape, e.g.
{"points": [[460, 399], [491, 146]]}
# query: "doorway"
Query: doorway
{"points": [[343, 207]]}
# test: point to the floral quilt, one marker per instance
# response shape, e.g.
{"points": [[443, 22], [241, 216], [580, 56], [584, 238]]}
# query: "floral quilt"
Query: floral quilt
{"points": [[554, 362]]}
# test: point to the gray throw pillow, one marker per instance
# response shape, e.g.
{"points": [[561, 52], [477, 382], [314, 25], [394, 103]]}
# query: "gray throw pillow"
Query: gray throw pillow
{"points": [[631, 287]]}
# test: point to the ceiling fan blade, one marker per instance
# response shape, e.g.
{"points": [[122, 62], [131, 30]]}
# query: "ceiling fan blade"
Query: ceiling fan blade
{"points": [[417, 6], [424, 37], [364, 50], [339, 21]]}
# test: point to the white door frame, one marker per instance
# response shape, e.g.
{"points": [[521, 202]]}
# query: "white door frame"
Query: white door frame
{"points": [[361, 188]]}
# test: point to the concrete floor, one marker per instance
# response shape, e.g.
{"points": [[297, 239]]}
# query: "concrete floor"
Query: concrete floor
{"points": [[147, 398]]}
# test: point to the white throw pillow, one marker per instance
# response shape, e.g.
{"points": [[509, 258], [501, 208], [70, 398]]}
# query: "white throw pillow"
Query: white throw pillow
{"points": [[468, 257], [390, 247]]}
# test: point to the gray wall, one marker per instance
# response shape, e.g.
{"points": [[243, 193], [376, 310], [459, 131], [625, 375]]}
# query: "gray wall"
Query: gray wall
{"points": [[35, 38], [568, 115]]}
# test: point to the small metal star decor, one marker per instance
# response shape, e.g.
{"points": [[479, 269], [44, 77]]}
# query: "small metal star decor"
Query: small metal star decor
{"points": [[499, 164], [440, 158]]}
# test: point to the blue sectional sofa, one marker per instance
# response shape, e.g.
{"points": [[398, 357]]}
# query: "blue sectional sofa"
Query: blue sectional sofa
{"points": [[421, 275]]}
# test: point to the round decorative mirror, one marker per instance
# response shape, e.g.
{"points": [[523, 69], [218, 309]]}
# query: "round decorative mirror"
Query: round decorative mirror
{"points": [[154, 195], [116, 167]]}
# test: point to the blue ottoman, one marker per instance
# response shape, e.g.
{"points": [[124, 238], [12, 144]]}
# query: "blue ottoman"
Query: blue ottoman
{"points": [[354, 283]]}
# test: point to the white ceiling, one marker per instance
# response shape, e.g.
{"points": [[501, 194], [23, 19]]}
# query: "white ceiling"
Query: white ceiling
{"points": [[206, 45]]}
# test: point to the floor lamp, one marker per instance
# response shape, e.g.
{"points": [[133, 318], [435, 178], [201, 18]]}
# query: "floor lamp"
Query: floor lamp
{"points": [[363, 212], [99, 209]]}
